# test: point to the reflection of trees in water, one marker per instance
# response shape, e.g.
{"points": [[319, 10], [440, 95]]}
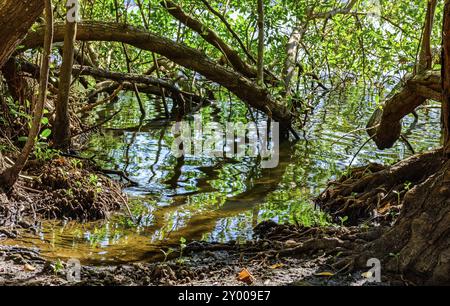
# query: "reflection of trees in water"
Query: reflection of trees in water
{"points": [[205, 222], [207, 209], [130, 144]]}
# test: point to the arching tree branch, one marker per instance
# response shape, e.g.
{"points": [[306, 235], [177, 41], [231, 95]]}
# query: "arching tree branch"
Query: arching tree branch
{"points": [[185, 56], [231, 55]]}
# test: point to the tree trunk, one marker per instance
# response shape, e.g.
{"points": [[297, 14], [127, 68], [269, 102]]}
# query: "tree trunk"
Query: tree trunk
{"points": [[425, 56], [418, 245], [291, 57], [16, 18], [445, 72], [134, 78], [61, 128], [10, 175], [260, 65], [385, 124], [17, 84]]}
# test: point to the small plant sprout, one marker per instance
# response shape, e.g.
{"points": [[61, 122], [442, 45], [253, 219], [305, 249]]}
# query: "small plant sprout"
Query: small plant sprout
{"points": [[342, 220], [182, 245], [167, 253], [407, 186], [58, 266], [76, 163], [93, 180]]}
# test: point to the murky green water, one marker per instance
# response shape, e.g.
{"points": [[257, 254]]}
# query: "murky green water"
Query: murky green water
{"points": [[210, 198]]}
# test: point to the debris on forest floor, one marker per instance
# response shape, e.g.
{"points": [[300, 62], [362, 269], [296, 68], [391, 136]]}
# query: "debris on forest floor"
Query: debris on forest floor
{"points": [[218, 268], [261, 261], [246, 277]]}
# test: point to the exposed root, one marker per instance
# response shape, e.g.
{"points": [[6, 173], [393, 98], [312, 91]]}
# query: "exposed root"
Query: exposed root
{"points": [[288, 241], [61, 189], [375, 191], [418, 245]]}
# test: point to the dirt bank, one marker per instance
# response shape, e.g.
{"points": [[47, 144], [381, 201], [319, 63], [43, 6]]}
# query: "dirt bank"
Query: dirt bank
{"points": [[270, 262], [63, 189]]}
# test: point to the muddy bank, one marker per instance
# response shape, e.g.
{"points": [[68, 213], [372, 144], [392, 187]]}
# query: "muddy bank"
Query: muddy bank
{"points": [[268, 261], [21, 266], [63, 189]]}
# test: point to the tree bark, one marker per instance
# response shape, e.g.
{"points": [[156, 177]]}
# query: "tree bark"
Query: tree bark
{"points": [[375, 188], [230, 29], [418, 245], [445, 72], [16, 18], [138, 79], [385, 124], [330, 14], [10, 175], [291, 57], [17, 84], [425, 56], [185, 56], [61, 128]]}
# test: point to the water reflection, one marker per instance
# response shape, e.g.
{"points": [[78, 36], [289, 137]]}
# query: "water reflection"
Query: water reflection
{"points": [[214, 198]]}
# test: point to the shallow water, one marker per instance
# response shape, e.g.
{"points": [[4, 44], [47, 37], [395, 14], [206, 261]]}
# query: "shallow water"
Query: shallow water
{"points": [[211, 198]]}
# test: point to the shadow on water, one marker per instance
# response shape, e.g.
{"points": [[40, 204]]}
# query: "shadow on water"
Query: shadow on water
{"points": [[216, 199]]}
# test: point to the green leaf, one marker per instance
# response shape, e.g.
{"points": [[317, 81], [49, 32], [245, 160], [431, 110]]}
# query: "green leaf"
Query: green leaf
{"points": [[45, 133]]}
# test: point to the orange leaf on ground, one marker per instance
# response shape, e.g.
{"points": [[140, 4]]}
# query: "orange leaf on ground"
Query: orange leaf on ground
{"points": [[245, 276], [276, 266]]}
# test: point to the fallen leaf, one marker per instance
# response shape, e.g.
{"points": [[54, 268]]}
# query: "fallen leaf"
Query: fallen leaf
{"points": [[324, 274], [367, 274], [276, 266], [28, 267], [291, 243], [246, 277]]}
